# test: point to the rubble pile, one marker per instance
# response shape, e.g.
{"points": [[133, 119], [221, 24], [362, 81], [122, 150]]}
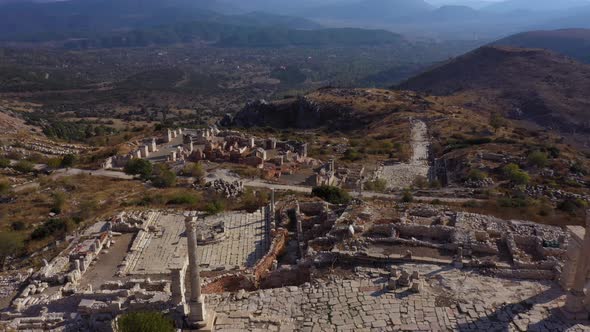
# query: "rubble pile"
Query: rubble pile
{"points": [[226, 188]]}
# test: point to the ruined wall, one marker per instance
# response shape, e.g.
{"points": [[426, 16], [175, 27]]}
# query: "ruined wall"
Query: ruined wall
{"points": [[277, 247], [229, 283], [312, 208], [524, 274], [438, 232], [286, 276]]}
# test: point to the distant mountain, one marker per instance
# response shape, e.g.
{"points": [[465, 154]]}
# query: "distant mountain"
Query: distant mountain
{"points": [[530, 84], [574, 43], [574, 18], [536, 5], [475, 4], [280, 6], [379, 10], [88, 18], [450, 13], [224, 35]]}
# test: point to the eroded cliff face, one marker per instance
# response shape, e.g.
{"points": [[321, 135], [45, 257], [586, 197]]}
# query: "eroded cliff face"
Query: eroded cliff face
{"points": [[300, 113]]}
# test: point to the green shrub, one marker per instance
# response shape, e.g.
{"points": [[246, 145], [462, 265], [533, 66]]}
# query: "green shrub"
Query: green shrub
{"points": [[4, 162], [497, 121], [578, 168], [513, 202], [516, 175], [24, 166], [144, 322], [148, 200], [352, 155], [18, 226], [571, 205], [471, 204], [194, 170], [476, 175], [140, 167], [10, 244], [377, 185], [164, 178], [251, 201], [68, 161], [49, 228], [537, 159], [331, 194], [4, 187], [59, 201], [407, 196], [214, 207], [182, 199]]}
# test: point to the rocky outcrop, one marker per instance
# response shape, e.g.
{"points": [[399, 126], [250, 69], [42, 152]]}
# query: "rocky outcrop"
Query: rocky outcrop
{"points": [[300, 113]]}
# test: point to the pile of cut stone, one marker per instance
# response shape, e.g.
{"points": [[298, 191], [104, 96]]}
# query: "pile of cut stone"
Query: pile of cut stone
{"points": [[226, 188], [401, 278]]}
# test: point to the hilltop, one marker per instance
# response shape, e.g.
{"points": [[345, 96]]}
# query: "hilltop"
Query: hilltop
{"points": [[529, 84], [574, 43]]}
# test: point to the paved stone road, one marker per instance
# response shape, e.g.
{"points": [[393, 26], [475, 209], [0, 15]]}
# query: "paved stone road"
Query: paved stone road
{"points": [[402, 175], [452, 300], [243, 244]]}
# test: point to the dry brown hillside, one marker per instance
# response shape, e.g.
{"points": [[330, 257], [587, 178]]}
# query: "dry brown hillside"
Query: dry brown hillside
{"points": [[530, 84]]}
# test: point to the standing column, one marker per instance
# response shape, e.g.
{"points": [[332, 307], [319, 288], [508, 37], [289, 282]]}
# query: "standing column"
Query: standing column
{"points": [[574, 302], [197, 317]]}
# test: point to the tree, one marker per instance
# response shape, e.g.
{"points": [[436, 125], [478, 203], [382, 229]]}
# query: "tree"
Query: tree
{"points": [[377, 185], [4, 187], [332, 194], [516, 175], [194, 169], [59, 201], [68, 160], [476, 175], [497, 121], [10, 244], [215, 207], [407, 196], [140, 167], [144, 322], [4, 162], [53, 163], [163, 177], [537, 159]]}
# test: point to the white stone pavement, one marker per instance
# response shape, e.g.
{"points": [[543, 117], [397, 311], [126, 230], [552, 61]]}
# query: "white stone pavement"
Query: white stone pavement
{"points": [[452, 300], [402, 175], [242, 246]]}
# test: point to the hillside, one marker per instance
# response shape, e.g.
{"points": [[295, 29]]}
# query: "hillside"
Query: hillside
{"points": [[574, 43], [459, 135], [529, 84]]}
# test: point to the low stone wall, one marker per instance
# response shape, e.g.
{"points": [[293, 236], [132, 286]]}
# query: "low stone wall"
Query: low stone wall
{"points": [[277, 246], [287, 276], [524, 274], [312, 208], [229, 283], [252, 278], [438, 232]]}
